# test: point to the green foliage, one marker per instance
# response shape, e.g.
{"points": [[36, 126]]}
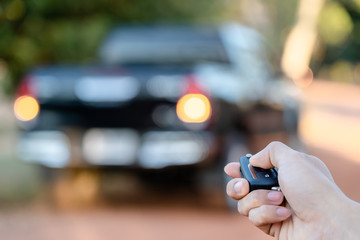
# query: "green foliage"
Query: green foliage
{"points": [[35, 32], [338, 53], [335, 24]]}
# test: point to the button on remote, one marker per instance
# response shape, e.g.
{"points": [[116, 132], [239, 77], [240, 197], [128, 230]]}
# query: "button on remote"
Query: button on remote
{"points": [[258, 178]]}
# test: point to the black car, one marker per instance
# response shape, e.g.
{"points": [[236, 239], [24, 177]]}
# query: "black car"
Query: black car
{"points": [[161, 97]]}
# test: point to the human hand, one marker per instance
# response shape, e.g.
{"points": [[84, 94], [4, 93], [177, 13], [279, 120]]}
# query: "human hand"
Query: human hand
{"points": [[315, 207]]}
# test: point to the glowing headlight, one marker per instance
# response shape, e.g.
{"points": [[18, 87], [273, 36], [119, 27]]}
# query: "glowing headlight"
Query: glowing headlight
{"points": [[193, 108], [26, 108]]}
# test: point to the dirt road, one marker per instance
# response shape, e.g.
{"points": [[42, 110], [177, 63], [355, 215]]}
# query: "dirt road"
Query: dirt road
{"points": [[141, 222], [162, 220]]}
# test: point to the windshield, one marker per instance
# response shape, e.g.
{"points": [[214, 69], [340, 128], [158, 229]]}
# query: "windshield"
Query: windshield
{"points": [[178, 44]]}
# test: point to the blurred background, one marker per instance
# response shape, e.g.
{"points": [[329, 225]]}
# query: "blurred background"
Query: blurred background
{"points": [[117, 117]]}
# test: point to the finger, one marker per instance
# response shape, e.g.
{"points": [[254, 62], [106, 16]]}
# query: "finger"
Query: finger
{"points": [[273, 155], [233, 170], [237, 188], [268, 214], [258, 198], [277, 153]]}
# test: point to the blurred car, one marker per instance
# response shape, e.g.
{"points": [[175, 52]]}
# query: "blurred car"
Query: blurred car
{"points": [[161, 97]]}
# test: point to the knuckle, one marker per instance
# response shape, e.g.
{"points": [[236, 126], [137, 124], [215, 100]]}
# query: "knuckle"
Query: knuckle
{"points": [[242, 209], [295, 156], [304, 155], [255, 217], [253, 200], [253, 197], [310, 157], [275, 144], [258, 216]]}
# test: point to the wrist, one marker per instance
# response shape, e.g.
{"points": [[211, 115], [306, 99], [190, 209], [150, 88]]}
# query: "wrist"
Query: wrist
{"points": [[351, 227], [343, 222]]}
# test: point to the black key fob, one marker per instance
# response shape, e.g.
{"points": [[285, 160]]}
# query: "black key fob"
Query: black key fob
{"points": [[258, 178]]}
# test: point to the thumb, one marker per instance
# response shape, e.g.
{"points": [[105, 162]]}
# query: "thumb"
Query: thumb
{"points": [[273, 155]]}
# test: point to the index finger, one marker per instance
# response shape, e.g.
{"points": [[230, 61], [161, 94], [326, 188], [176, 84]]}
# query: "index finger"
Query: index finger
{"points": [[233, 170], [272, 155]]}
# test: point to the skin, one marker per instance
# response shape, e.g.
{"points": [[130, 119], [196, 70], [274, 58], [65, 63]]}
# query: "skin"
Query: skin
{"points": [[315, 208]]}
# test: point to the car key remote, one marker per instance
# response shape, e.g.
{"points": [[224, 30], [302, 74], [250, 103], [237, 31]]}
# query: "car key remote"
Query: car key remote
{"points": [[258, 178]]}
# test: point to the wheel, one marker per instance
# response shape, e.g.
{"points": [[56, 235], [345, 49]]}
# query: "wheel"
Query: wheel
{"points": [[72, 188]]}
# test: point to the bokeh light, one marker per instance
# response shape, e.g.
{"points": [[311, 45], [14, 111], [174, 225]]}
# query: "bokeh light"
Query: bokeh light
{"points": [[335, 24], [194, 108], [15, 10], [26, 108]]}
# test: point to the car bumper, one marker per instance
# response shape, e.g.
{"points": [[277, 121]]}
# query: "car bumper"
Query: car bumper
{"points": [[115, 147]]}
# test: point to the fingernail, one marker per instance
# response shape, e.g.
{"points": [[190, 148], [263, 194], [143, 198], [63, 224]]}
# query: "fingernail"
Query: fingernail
{"points": [[238, 187], [275, 196], [282, 212]]}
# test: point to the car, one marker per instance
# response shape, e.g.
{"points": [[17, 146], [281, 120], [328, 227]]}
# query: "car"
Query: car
{"points": [[162, 98]]}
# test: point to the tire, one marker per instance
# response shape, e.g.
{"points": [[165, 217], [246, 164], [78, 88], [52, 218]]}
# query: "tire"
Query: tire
{"points": [[72, 188]]}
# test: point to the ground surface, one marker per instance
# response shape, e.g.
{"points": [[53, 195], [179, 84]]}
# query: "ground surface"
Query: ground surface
{"points": [[183, 215]]}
